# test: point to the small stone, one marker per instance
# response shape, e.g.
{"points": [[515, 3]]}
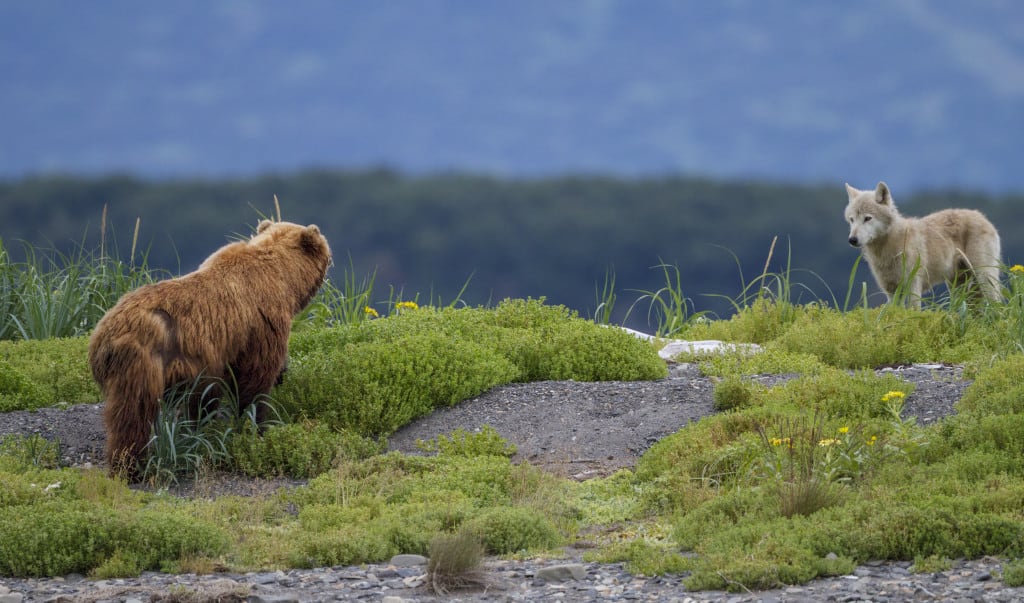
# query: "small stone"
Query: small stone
{"points": [[414, 581], [265, 578], [10, 597], [561, 573], [272, 599], [408, 560]]}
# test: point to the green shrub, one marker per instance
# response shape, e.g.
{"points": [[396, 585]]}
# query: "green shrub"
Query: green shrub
{"points": [[485, 442], [722, 512], [22, 484], [119, 565], [770, 360], [553, 343], [407, 526], [788, 551], [411, 526], [297, 450], [511, 529], [869, 338], [58, 370], [387, 476], [998, 390], [54, 539], [397, 478], [33, 451], [349, 545], [931, 564], [18, 392], [1013, 573], [381, 374], [837, 393], [319, 517], [732, 393], [374, 388], [898, 530], [760, 322], [643, 558], [158, 537], [581, 351], [993, 434]]}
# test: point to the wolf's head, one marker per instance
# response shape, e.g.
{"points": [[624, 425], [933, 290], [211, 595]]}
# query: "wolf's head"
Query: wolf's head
{"points": [[870, 213]]}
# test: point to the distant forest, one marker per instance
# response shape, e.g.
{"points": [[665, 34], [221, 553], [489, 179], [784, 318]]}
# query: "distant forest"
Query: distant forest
{"points": [[431, 235]]}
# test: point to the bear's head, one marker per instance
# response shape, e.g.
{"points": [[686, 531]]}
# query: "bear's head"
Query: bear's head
{"points": [[308, 241]]}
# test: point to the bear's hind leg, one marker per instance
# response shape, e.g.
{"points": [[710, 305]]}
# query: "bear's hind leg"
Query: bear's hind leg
{"points": [[132, 404]]}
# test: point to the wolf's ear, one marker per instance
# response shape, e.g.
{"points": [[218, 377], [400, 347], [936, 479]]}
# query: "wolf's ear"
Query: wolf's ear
{"points": [[882, 194], [264, 224], [850, 191]]}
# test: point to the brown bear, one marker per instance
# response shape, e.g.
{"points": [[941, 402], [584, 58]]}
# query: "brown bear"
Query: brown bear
{"points": [[228, 320]]}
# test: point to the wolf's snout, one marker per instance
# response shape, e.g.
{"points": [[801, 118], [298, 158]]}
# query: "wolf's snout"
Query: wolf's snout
{"points": [[854, 241]]}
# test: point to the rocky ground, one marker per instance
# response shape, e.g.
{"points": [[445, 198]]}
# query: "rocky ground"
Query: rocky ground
{"points": [[579, 430]]}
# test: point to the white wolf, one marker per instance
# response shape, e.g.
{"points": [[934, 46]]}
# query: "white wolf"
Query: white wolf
{"points": [[946, 246]]}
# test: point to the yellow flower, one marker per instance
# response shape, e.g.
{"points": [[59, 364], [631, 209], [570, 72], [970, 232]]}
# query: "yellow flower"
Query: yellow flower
{"points": [[871, 442], [844, 429], [406, 305], [779, 441], [1017, 269], [370, 312], [828, 442], [893, 396]]}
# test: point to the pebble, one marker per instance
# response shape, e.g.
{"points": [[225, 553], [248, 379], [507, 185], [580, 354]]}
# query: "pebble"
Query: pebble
{"points": [[516, 581]]}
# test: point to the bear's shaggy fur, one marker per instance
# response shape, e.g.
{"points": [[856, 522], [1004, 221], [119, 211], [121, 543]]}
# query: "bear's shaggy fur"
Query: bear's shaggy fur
{"points": [[229, 320]]}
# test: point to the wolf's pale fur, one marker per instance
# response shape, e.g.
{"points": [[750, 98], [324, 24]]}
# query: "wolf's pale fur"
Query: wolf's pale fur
{"points": [[946, 246]]}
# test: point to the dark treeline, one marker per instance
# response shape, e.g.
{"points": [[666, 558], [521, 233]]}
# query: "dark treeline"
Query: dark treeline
{"points": [[429, 235]]}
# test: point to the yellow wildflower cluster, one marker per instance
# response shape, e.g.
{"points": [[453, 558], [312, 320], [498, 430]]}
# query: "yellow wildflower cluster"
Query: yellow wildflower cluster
{"points": [[1017, 269], [895, 395], [780, 441], [406, 305], [370, 312], [828, 442]]}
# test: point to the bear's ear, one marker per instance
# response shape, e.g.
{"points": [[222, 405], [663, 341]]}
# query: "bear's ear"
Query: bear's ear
{"points": [[882, 194], [310, 239], [264, 224]]}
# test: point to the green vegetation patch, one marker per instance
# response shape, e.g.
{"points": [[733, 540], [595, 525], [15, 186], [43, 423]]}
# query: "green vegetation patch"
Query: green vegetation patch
{"points": [[375, 377], [47, 372], [369, 510]]}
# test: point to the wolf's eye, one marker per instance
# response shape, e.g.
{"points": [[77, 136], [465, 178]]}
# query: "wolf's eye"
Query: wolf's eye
{"points": [[867, 218]]}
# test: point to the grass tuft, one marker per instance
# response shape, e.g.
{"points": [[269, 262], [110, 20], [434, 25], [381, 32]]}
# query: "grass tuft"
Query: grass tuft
{"points": [[455, 563]]}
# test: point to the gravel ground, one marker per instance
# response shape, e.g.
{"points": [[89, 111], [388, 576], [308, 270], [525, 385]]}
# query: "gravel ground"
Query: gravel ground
{"points": [[576, 429]]}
